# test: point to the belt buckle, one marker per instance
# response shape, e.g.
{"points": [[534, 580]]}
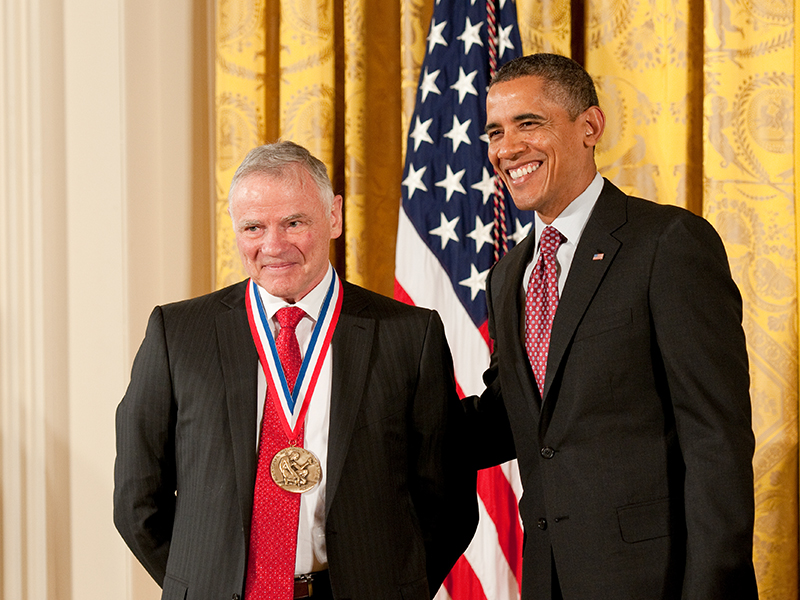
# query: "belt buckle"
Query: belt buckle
{"points": [[303, 586]]}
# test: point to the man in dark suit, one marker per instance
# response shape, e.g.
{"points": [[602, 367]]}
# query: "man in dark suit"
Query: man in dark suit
{"points": [[391, 505], [629, 410]]}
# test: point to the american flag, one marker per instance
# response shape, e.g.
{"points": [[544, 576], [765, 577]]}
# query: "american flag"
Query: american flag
{"points": [[456, 220]]}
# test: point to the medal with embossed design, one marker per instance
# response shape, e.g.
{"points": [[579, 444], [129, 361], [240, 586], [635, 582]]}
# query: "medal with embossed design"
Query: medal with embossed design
{"points": [[295, 470]]}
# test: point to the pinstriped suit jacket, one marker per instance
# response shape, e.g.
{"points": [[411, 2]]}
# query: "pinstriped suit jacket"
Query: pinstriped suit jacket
{"points": [[400, 501]]}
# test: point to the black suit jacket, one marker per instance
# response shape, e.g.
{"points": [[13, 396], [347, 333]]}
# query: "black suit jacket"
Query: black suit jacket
{"points": [[637, 462], [400, 503]]}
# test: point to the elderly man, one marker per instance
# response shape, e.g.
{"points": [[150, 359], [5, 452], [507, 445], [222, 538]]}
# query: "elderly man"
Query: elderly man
{"points": [[292, 435]]}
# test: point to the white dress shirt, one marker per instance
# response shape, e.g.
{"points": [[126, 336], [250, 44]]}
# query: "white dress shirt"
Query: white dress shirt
{"points": [[570, 223], [311, 550]]}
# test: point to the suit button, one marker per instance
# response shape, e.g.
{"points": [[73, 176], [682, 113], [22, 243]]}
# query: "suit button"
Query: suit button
{"points": [[547, 452], [542, 524], [235, 597]]}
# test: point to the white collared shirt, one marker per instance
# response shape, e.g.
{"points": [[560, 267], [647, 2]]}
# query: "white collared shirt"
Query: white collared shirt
{"points": [[312, 553], [570, 223]]}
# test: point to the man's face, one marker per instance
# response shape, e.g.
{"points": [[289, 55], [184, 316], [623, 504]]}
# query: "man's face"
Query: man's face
{"points": [[283, 231], [544, 157]]}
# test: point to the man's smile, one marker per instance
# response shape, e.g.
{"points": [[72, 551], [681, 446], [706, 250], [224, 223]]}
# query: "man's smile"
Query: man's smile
{"points": [[519, 172]]}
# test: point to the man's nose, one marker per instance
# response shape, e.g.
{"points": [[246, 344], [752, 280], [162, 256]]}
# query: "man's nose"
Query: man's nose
{"points": [[509, 147], [272, 241]]}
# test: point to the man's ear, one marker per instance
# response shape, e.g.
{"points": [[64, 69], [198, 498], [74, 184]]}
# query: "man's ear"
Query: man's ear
{"points": [[336, 217], [594, 122]]}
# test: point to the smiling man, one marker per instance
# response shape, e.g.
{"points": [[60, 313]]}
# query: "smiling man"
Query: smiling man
{"points": [[293, 435], [283, 226], [619, 363]]}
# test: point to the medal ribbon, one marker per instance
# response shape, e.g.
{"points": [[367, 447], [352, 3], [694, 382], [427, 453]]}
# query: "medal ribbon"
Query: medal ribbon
{"points": [[292, 406]]}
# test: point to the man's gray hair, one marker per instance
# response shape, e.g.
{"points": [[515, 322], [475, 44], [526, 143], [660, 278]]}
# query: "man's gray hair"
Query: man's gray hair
{"points": [[279, 160]]}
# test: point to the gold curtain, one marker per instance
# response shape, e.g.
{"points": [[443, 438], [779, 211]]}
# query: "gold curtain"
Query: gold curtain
{"points": [[326, 75], [240, 112], [638, 55], [749, 196], [701, 103]]}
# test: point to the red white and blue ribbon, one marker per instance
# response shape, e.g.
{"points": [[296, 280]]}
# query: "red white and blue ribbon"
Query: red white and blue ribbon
{"points": [[292, 406]]}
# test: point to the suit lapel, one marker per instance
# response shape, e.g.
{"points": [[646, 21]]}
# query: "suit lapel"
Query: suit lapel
{"points": [[593, 256], [239, 362], [351, 346]]}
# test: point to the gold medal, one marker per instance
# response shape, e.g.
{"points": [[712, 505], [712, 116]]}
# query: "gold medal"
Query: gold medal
{"points": [[295, 470]]}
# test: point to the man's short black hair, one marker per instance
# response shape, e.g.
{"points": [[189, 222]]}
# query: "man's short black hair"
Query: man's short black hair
{"points": [[566, 82]]}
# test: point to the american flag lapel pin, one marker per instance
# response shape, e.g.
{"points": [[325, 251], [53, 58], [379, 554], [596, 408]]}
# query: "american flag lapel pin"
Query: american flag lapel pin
{"points": [[598, 256]]}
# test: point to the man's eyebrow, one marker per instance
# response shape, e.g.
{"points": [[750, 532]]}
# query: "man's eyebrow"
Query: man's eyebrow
{"points": [[516, 119], [295, 217], [249, 223], [528, 117]]}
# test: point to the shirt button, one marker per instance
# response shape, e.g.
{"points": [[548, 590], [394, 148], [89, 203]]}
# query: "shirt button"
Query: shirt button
{"points": [[547, 452], [542, 524], [235, 597]]}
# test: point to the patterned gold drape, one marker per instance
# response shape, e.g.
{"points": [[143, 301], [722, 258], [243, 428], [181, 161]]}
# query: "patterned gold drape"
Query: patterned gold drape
{"points": [[326, 75], [701, 102], [639, 56], [749, 195], [239, 122]]}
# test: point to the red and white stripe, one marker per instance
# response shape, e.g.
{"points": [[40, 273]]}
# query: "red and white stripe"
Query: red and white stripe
{"points": [[491, 568]]}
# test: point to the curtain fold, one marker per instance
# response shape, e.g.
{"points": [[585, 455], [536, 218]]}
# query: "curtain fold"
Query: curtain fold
{"points": [[545, 26], [239, 120], [308, 76], [749, 196], [702, 105], [638, 56], [372, 140]]}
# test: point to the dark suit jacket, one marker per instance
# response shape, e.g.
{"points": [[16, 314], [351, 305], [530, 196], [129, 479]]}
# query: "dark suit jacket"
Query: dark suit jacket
{"points": [[637, 463], [400, 503]]}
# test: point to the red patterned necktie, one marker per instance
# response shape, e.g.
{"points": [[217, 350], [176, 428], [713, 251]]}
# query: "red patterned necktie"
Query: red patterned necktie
{"points": [[273, 530], [541, 301]]}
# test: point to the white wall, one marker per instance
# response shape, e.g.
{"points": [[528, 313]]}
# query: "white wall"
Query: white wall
{"points": [[105, 210]]}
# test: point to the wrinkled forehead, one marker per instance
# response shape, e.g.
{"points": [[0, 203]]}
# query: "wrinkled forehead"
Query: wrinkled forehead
{"points": [[292, 175]]}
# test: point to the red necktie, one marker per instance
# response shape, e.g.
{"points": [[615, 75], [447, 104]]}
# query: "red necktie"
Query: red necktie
{"points": [[541, 301], [273, 530]]}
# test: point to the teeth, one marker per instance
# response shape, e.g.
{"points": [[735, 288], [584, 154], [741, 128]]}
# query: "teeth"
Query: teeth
{"points": [[517, 173]]}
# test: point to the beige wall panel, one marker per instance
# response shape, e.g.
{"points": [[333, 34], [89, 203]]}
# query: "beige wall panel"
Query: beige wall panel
{"points": [[96, 303], [104, 211], [167, 181]]}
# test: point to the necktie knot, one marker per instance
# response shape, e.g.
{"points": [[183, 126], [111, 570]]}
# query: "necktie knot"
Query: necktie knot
{"points": [[286, 342], [289, 316], [550, 241]]}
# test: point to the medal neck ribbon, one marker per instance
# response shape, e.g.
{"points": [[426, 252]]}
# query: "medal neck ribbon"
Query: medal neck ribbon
{"points": [[292, 406]]}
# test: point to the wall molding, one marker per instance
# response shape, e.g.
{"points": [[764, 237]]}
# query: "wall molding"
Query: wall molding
{"points": [[33, 339]]}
